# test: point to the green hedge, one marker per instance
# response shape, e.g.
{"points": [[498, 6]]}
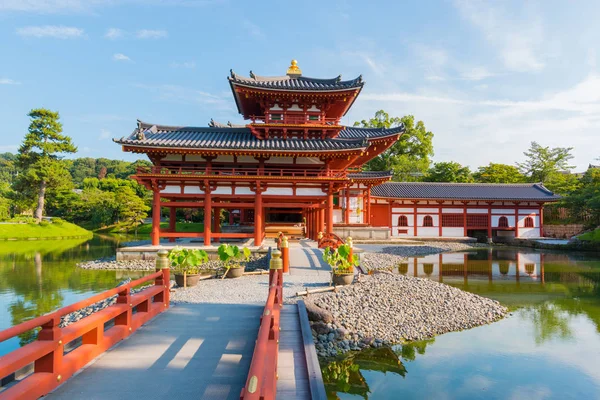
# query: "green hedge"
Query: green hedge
{"points": [[43, 230]]}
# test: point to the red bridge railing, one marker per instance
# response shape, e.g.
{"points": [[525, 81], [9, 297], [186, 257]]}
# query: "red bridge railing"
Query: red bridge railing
{"points": [[261, 383], [51, 364]]}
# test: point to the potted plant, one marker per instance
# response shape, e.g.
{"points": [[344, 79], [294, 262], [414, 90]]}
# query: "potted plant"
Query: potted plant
{"points": [[342, 266], [232, 257], [186, 265]]}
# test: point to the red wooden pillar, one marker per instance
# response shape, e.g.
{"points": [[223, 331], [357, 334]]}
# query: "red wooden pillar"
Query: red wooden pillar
{"points": [[489, 229], [440, 232], [258, 210], [156, 218], [172, 222], [541, 221], [465, 219], [415, 218], [321, 219], [207, 214], [242, 216], [516, 220], [347, 209], [329, 213], [369, 204]]}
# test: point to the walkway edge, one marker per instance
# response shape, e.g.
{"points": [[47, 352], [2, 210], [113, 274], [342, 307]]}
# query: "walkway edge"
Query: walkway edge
{"points": [[315, 378]]}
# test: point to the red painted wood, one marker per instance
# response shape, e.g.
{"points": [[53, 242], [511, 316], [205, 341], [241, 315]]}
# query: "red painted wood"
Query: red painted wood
{"points": [[155, 236], [51, 367]]}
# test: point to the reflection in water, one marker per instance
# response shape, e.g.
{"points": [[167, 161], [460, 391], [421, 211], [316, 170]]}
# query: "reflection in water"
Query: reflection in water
{"points": [[39, 277], [555, 327]]}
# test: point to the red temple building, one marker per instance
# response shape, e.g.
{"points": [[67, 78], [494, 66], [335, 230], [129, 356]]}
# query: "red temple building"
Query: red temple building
{"points": [[295, 165]]}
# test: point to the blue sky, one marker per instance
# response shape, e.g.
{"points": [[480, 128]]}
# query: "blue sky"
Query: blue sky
{"points": [[486, 77]]}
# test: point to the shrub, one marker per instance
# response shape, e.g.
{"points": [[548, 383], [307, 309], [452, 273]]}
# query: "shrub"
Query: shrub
{"points": [[44, 223], [58, 221]]}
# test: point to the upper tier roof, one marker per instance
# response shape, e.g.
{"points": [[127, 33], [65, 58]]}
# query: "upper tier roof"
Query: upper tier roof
{"points": [[464, 191], [149, 135], [294, 83], [351, 132]]}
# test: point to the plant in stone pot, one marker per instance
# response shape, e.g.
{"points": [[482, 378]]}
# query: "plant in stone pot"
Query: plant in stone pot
{"points": [[186, 265], [342, 266], [233, 257]]}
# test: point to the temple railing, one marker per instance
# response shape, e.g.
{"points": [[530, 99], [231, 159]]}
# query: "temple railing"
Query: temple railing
{"points": [[60, 351], [241, 172], [294, 119], [262, 376]]}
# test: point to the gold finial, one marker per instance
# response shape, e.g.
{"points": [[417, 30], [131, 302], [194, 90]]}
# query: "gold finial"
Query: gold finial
{"points": [[294, 70]]}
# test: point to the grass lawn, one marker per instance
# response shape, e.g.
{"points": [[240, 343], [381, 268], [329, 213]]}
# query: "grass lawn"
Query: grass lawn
{"points": [[146, 229], [26, 231], [593, 236]]}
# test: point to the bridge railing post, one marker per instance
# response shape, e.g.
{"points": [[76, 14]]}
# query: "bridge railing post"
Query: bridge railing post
{"points": [[51, 362], [285, 254], [124, 318], [163, 264]]}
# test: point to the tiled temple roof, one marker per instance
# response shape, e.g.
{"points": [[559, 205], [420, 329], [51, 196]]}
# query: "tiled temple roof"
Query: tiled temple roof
{"points": [[370, 175], [295, 83], [148, 135], [464, 191], [230, 136], [350, 132]]}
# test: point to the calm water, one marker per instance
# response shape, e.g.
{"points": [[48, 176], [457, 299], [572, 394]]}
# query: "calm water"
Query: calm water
{"points": [[37, 277], [549, 348]]}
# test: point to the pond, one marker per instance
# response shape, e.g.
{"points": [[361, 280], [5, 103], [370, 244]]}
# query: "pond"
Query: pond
{"points": [[549, 347], [37, 277]]}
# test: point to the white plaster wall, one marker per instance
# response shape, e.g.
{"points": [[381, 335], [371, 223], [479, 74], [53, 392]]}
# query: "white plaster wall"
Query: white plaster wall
{"points": [[276, 108], [536, 220], [192, 190], [171, 189], [427, 210], [222, 190], [172, 157], [529, 232], [337, 216], [528, 211], [279, 191], [503, 211], [435, 218], [295, 107], [313, 108], [409, 217], [402, 210], [309, 192], [496, 219], [427, 231], [243, 190], [452, 210], [453, 232], [476, 211]]}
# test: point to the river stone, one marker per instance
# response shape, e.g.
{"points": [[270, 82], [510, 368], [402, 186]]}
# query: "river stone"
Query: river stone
{"points": [[316, 313]]}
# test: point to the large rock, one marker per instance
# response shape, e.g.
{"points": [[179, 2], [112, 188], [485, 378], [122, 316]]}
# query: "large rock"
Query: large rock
{"points": [[318, 314]]}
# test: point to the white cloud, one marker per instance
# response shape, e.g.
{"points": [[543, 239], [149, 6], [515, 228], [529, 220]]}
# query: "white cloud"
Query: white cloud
{"points": [[53, 31], [518, 38], [121, 57], [9, 147], [104, 134], [6, 81], [185, 64], [499, 130], [114, 33], [476, 74], [151, 34]]}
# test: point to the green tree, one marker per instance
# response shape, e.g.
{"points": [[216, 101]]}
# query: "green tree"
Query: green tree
{"points": [[131, 208], [584, 202], [449, 171], [408, 158], [39, 155], [498, 173], [542, 162]]}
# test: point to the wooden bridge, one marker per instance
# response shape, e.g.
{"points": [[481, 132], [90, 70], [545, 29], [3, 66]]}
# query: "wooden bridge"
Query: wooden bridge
{"points": [[135, 349]]}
